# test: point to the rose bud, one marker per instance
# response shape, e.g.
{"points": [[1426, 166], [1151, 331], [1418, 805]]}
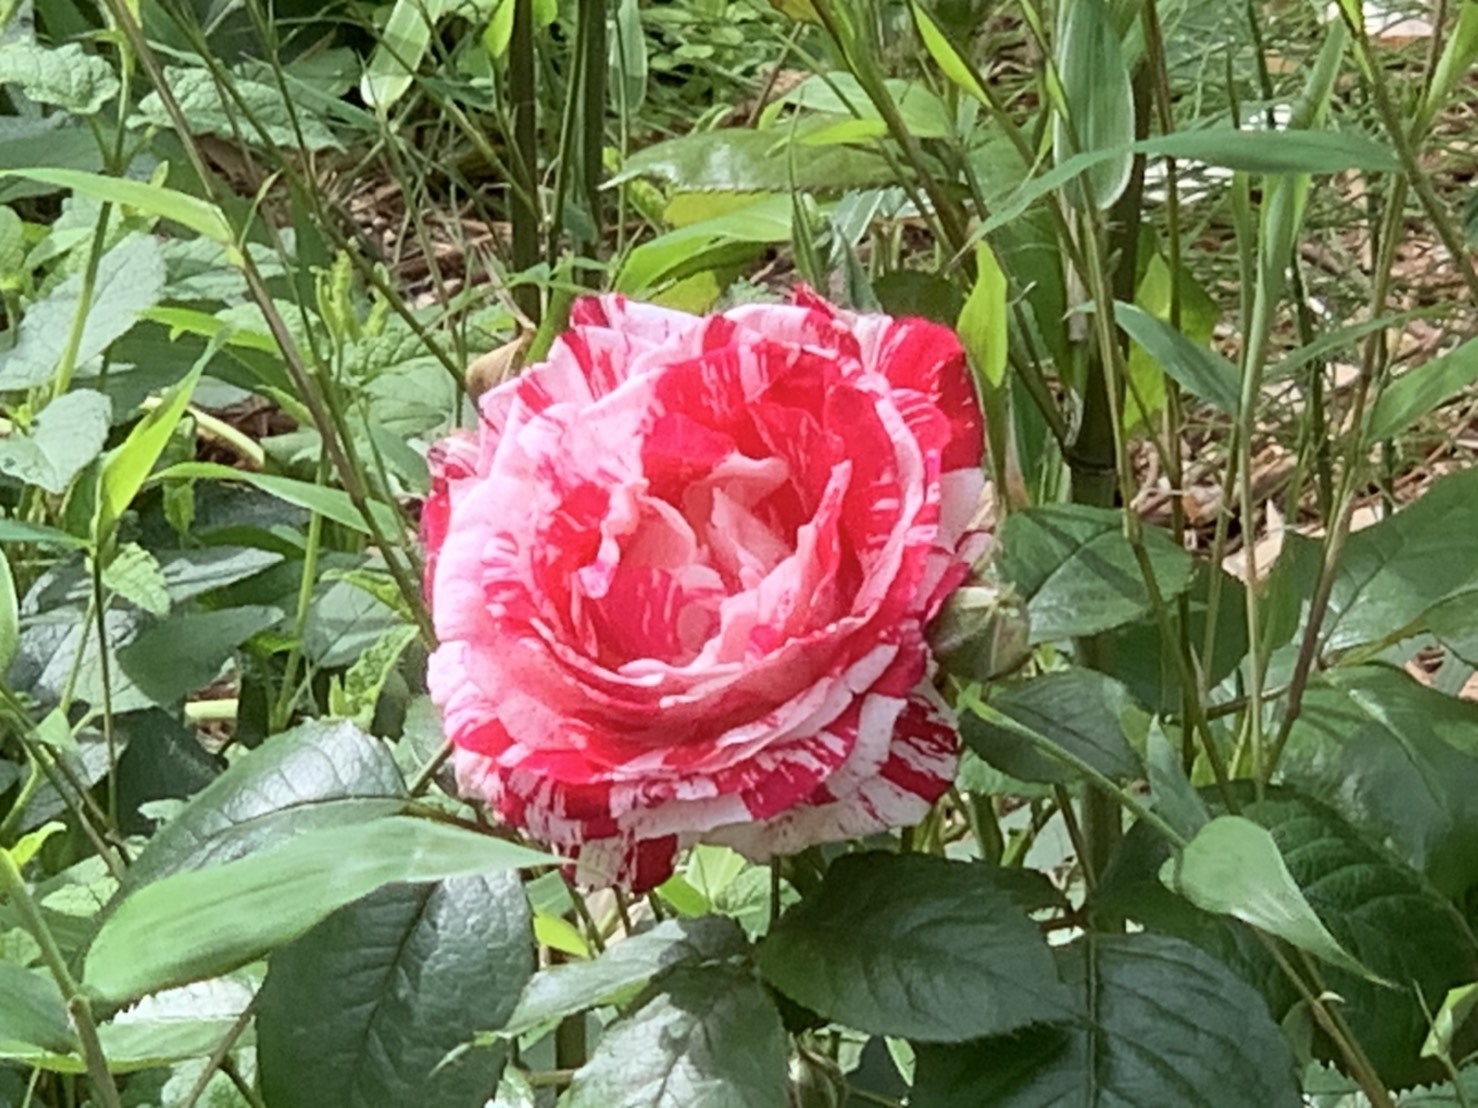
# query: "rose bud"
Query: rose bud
{"points": [[983, 630]]}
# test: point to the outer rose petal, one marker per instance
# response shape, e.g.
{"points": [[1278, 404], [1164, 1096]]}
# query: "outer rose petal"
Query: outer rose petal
{"points": [[681, 577]]}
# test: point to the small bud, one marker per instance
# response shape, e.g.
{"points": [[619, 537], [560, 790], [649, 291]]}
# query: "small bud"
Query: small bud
{"points": [[982, 631]]}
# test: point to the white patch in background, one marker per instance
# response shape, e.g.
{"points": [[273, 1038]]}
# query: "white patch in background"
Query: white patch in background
{"points": [[1386, 22]]}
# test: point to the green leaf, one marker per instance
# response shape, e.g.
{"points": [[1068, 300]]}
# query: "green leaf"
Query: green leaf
{"points": [[1461, 1093], [1390, 575], [1201, 372], [1097, 95], [625, 967], [1157, 1022], [373, 999], [65, 76], [188, 1022], [914, 946], [748, 160], [1268, 152], [704, 243], [156, 200], [1137, 654], [983, 319], [1398, 760], [12, 246], [128, 467], [359, 694], [54, 141], [330, 503], [136, 576], [1079, 711], [1175, 800], [1457, 1009], [1233, 868], [261, 115], [1382, 912], [199, 924], [628, 57], [1078, 573], [32, 1010], [160, 1030], [68, 434], [840, 102], [164, 760], [186, 651], [10, 625], [1419, 392], [318, 775], [130, 277], [946, 56], [709, 1038], [397, 56], [13, 530]]}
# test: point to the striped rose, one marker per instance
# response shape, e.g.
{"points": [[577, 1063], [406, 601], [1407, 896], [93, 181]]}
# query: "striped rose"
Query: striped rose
{"points": [[681, 572]]}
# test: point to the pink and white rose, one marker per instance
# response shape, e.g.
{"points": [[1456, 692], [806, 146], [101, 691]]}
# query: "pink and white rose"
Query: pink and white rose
{"points": [[681, 573]]}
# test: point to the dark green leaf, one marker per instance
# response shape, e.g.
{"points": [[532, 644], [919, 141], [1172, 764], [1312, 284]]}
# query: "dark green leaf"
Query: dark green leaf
{"points": [[1390, 920], [624, 967], [710, 1038], [1175, 801], [1136, 653], [1078, 572], [1082, 712], [373, 999], [1400, 761], [321, 774], [1158, 1022], [202, 923], [1390, 575], [914, 946], [186, 651], [163, 759]]}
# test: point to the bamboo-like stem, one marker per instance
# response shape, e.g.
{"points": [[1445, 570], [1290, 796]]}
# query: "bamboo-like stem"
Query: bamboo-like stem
{"points": [[524, 156]]}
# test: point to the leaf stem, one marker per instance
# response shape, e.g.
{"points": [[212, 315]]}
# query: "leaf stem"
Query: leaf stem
{"points": [[14, 886]]}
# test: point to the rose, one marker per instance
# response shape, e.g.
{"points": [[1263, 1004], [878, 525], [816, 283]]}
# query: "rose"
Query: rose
{"points": [[681, 573]]}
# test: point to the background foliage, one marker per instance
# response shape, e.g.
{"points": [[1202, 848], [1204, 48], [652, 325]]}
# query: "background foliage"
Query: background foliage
{"points": [[1214, 842]]}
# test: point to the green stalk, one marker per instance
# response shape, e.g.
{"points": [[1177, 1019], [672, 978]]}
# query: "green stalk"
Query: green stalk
{"points": [[593, 44], [864, 68], [13, 885], [287, 694], [523, 202]]}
